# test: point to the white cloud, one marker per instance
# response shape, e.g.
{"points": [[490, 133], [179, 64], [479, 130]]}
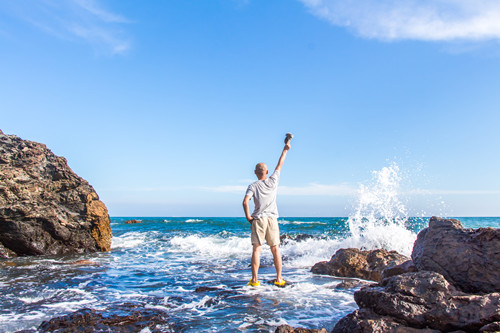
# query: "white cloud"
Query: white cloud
{"points": [[84, 20], [308, 190], [453, 192], [427, 20]]}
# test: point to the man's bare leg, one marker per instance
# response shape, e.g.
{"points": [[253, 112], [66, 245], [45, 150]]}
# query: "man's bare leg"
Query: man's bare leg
{"points": [[255, 262], [275, 250]]}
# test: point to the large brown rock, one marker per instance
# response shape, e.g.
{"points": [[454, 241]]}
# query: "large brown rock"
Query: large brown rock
{"points": [[426, 299], [355, 263], [468, 258], [410, 299], [45, 208], [367, 321]]}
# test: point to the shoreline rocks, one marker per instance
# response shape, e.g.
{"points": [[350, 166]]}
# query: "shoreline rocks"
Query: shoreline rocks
{"points": [[126, 318], [355, 263], [417, 297], [290, 329], [45, 208], [468, 258]]}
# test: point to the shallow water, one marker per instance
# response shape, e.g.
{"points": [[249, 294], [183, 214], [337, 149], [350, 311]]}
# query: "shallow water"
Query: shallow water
{"points": [[160, 262]]}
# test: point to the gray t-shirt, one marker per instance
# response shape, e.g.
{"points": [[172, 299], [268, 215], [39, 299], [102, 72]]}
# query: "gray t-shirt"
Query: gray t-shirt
{"points": [[264, 195]]}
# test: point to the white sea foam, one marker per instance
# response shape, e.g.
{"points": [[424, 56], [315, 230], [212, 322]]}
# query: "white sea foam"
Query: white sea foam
{"points": [[379, 218], [193, 220], [211, 246], [31, 300], [128, 240], [306, 253]]}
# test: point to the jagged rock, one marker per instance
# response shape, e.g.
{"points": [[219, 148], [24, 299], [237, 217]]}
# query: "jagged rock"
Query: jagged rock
{"points": [[290, 329], [366, 321], [468, 258], [129, 319], [355, 263], [427, 299], [406, 267], [45, 208]]}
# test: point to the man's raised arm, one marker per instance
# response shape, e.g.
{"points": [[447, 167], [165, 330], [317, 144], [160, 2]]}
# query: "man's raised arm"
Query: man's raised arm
{"points": [[282, 157]]}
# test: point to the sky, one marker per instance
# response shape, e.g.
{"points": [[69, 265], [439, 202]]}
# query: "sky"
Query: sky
{"points": [[165, 107]]}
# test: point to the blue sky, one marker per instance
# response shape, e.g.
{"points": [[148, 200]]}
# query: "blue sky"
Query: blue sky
{"points": [[166, 106]]}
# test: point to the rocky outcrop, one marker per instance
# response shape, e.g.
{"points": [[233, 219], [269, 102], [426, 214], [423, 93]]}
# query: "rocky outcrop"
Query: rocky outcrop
{"points": [[427, 300], [290, 329], [132, 221], [468, 258], [45, 208], [355, 263], [123, 319]]}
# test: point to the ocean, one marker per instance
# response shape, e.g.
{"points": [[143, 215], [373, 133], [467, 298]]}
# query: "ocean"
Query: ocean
{"points": [[160, 262]]}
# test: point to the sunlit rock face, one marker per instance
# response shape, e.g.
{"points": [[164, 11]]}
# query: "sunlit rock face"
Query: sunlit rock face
{"points": [[45, 208]]}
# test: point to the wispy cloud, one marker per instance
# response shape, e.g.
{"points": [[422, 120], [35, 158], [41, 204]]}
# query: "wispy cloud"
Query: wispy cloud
{"points": [[426, 20], [308, 190], [74, 20], [343, 189], [453, 192]]}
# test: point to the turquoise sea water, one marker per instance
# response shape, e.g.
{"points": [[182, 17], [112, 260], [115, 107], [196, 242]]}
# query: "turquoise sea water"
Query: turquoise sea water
{"points": [[160, 262]]}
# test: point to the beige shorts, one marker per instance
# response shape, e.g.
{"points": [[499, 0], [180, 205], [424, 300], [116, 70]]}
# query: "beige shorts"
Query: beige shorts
{"points": [[265, 228]]}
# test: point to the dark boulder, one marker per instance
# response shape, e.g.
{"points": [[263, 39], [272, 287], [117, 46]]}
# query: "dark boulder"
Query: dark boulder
{"points": [[427, 299], [290, 329], [468, 258], [124, 319], [45, 208], [367, 321], [355, 263]]}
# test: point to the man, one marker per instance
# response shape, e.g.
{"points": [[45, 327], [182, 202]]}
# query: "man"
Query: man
{"points": [[264, 219]]}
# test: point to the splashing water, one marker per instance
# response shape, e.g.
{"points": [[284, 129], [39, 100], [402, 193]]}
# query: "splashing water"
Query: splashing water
{"points": [[380, 217]]}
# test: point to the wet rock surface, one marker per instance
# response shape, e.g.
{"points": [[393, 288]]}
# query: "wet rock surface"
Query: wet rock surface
{"points": [[410, 299], [349, 284], [285, 238], [290, 329], [122, 319], [45, 208], [355, 263]]}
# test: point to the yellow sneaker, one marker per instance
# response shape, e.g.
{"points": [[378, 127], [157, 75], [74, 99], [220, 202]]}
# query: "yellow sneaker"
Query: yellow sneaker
{"points": [[280, 284], [256, 284]]}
